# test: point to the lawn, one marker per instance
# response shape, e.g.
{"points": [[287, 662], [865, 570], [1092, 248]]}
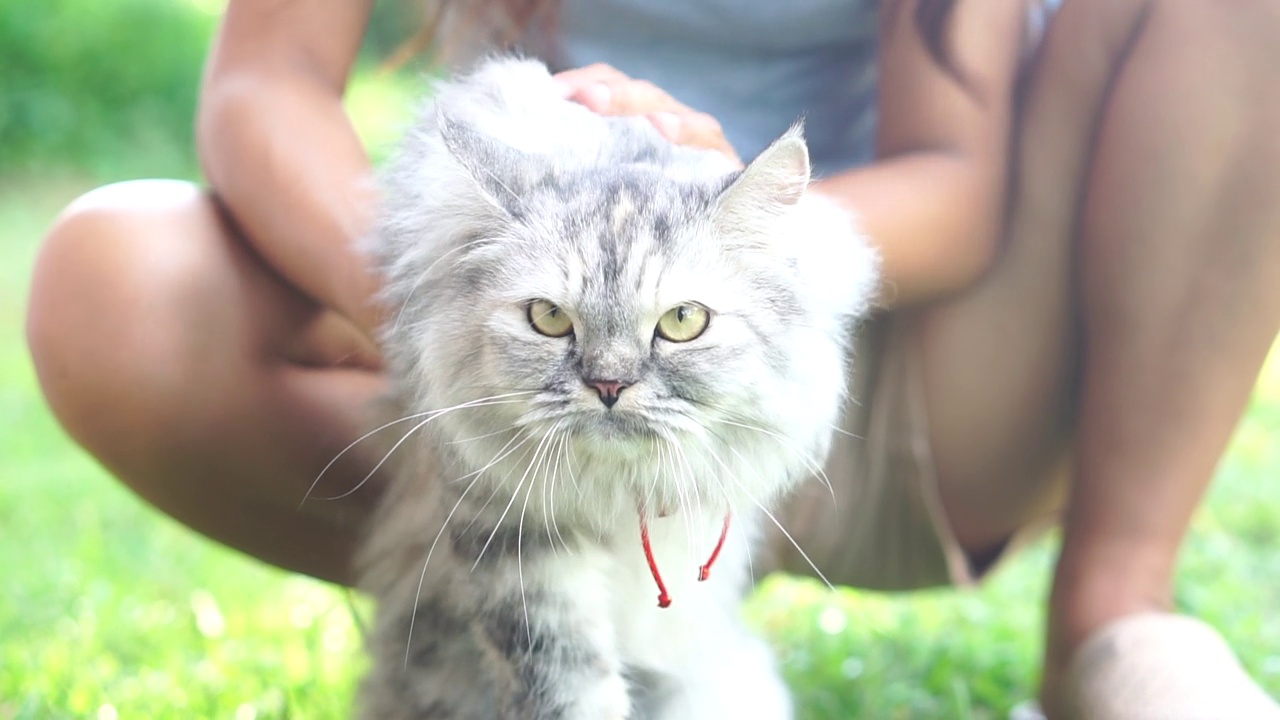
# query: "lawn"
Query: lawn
{"points": [[111, 610]]}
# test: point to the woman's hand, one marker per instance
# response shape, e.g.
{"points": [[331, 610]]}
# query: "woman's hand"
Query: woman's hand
{"points": [[609, 91]]}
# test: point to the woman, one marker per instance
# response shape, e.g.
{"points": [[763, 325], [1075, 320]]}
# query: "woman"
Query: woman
{"points": [[1081, 262]]}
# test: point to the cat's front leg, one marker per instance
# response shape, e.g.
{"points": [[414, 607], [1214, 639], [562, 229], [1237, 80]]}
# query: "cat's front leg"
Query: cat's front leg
{"points": [[549, 620], [506, 639]]}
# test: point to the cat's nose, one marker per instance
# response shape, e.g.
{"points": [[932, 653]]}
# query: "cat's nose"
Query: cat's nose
{"points": [[609, 390]]}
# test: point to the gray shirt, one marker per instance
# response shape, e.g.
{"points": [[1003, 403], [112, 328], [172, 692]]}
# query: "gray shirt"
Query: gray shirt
{"points": [[756, 66]]}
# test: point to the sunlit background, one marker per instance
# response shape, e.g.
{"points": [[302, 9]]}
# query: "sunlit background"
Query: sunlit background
{"points": [[111, 610]]}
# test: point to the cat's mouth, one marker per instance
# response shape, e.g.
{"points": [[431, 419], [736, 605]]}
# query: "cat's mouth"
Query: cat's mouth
{"points": [[615, 426]]}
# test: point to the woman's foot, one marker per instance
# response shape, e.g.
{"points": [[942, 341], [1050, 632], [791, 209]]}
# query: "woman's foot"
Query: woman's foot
{"points": [[1156, 666]]}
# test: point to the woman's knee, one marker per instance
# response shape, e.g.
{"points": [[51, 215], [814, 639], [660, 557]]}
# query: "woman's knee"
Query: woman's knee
{"points": [[123, 289]]}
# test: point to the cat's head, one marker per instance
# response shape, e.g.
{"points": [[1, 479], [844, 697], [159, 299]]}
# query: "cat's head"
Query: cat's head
{"points": [[622, 311]]}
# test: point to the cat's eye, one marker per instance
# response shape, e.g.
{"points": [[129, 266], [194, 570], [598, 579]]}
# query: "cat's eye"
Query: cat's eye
{"points": [[683, 323], [548, 319]]}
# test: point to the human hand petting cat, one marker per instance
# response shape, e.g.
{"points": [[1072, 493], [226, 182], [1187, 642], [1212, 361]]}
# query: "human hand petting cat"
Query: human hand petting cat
{"points": [[609, 91]]}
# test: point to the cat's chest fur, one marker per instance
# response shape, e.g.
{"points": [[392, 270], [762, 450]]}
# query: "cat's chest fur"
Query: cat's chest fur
{"points": [[588, 526], [529, 597]]}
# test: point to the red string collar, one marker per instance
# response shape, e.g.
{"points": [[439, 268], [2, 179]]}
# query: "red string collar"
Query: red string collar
{"points": [[704, 572]]}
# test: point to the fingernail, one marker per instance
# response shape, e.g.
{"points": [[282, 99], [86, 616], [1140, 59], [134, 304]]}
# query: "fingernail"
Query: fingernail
{"points": [[667, 123]]}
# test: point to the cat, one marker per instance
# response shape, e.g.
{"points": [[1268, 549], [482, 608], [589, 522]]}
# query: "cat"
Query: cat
{"points": [[616, 354]]}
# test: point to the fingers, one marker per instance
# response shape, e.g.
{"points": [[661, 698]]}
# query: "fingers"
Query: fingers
{"points": [[591, 86], [694, 129], [609, 91], [641, 97]]}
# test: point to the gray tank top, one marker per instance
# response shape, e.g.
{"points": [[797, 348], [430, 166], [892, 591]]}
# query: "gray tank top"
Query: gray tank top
{"points": [[757, 66]]}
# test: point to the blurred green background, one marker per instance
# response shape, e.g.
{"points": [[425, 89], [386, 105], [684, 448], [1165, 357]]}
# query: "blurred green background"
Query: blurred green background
{"points": [[110, 610]]}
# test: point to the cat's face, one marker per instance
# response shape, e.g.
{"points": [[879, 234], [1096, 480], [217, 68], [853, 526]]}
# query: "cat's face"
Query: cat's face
{"points": [[629, 310], [629, 317]]}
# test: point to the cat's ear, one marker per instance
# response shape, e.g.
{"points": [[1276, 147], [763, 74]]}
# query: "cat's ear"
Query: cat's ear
{"points": [[489, 166], [775, 180]]}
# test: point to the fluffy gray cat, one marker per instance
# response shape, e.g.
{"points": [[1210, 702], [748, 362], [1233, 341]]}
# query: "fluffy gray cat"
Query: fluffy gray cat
{"points": [[616, 354]]}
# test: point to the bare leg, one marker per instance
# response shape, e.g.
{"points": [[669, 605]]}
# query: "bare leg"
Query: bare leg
{"points": [[1165, 114], [1180, 279], [195, 375]]}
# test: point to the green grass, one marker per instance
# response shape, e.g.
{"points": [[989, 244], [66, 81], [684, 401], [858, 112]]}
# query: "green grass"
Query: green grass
{"points": [[113, 610]]}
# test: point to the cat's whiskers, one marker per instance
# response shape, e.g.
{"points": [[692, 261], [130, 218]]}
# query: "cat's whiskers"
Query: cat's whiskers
{"points": [[415, 429], [464, 441], [381, 462], [547, 509], [810, 464], [654, 449], [497, 487], [694, 484], [502, 453], [772, 518], [673, 418], [746, 541], [524, 601], [676, 482], [726, 416], [475, 478], [846, 433], [568, 466], [561, 455], [685, 473], [514, 494], [666, 464], [355, 442], [695, 491], [728, 501], [429, 414], [413, 616], [539, 465]]}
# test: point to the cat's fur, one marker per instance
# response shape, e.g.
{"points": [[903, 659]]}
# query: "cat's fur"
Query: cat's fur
{"points": [[506, 558]]}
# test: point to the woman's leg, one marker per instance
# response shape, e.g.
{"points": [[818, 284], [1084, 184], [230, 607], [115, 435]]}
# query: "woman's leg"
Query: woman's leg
{"points": [[193, 373], [1180, 282], [1150, 192]]}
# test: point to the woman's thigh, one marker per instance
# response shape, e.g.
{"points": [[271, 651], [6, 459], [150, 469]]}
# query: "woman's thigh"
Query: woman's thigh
{"points": [[959, 432], [195, 374], [998, 365]]}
